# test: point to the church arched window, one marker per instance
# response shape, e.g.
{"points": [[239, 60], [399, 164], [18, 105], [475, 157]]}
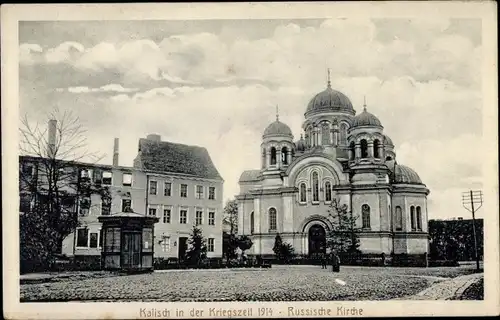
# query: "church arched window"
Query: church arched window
{"points": [[364, 148], [412, 218], [284, 153], [343, 134], [419, 218], [399, 218], [263, 158], [252, 223], [272, 220], [376, 145], [328, 191], [365, 214], [273, 155], [303, 193], [315, 186], [325, 134], [352, 149]]}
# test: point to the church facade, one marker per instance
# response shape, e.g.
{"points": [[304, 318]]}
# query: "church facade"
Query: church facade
{"points": [[341, 156]]}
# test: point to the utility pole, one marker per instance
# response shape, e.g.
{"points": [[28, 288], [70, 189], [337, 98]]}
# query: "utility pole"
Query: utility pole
{"points": [[471, 198]]}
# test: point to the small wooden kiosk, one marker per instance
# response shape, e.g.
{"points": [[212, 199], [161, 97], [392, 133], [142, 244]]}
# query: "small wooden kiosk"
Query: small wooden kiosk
{"points": [[128, 242]]}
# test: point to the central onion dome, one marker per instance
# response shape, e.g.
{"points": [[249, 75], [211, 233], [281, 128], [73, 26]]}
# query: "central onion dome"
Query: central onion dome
{"points": [[329, 100], [365, 118], [277, 128]]}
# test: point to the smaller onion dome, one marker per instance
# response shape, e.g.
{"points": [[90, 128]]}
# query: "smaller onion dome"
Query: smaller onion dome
{"points": [[365, 118], [404, 174], [301, 144], [388, 141], [278, 128]]}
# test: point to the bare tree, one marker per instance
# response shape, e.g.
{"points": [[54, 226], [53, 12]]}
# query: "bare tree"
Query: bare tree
{"points": [[231, 216], [51, 181]]}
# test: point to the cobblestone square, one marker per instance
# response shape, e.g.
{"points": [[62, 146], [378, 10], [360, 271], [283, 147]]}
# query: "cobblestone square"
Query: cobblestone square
{"points": [[280, 283]]}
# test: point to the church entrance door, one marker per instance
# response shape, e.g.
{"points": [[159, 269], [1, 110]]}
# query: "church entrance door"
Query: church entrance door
{"points": [[317, 241]]}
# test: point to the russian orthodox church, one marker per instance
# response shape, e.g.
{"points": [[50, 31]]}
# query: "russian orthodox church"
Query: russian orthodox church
{"points": [[341, 156]]}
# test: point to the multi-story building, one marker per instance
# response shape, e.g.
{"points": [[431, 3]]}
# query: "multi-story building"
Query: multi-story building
{"points": [[184, 188], [177, 183]]}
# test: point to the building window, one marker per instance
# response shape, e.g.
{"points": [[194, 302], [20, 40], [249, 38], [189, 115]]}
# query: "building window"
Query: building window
{"points": [[183, 217], [147, 240], [419, 218], [210, 244], [27, 170], [167, 192], [315, 187], [152, 212], [25, 203], [284, 153], [303, 193], [82, 237], [211, 193], [199, 217], [364, 148], [126, 205], [85, 174], [84, 206], [365, 213], [252, 223], [127, 179], [399, 218], [184, 190], [211, 218], [352, 148], [153, 186], [106, 207], [273, 156], [101, 236], [325, 134], [412, 218], [376, 145], [107, 178], [328, 191], [167, 215], [343, 134], [113, 240], [272, 219], [94, 239], [165, 244], [199, 192]]}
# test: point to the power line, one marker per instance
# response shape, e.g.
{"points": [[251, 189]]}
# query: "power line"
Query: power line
{"points": [[472, 201]]}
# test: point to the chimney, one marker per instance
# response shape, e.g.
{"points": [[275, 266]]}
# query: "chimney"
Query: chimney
{"points": [[154, 137], [51, 147], [116, 147]]}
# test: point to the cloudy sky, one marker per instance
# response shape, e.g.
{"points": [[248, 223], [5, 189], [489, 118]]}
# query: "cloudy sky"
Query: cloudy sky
{"points": [[215, 83]]}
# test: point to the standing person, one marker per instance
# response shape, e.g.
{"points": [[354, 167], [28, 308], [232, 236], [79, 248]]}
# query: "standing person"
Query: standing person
{"points": [[335, 262], [323, 261]]}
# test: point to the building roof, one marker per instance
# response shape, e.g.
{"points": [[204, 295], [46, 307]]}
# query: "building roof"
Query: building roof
{"points": [[278, 128], [388, 141], [250, 175], [365, 118], [329, 100], [164, 156], [404, 174]]}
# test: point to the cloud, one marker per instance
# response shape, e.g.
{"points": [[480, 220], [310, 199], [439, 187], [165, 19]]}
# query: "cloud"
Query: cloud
{"points": [[106, 88], [29, 53], [420, 80], [303, 52], [64, 53]]}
